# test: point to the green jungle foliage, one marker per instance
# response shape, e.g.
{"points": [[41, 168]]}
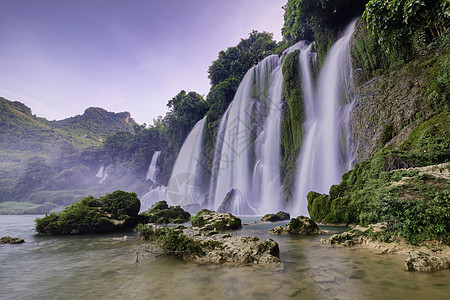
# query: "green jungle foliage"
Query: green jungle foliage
{"points": [[112, 212], [408, 24]]}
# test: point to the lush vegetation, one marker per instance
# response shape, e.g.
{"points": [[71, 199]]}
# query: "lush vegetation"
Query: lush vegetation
{"points": [[112, 212], [415, 206]]}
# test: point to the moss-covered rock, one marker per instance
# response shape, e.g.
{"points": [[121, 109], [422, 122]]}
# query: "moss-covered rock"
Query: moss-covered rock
{"points": [[11, 240], [162, 213], [279, 216], [199, 246], [299, 225], [112, 212], [210, 220]]}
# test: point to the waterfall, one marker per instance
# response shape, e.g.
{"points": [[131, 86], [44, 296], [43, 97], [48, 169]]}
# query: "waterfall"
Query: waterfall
{"points": [[324, 157], [152, 168], [189, 179], [247, 153]]}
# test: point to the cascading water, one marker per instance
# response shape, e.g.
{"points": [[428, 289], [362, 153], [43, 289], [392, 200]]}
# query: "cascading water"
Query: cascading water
{"points": [[189, 179], [247, 153], [324, 156], [153, 168]]}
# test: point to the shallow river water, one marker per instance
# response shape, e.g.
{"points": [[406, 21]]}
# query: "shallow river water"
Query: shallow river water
{"points": [[105, 267]]}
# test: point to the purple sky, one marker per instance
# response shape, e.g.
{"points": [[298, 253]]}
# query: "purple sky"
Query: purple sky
{"points": [[60, 57]]}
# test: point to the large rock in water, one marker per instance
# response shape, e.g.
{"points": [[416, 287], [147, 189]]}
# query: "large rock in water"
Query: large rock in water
{"points": [[423, 262], [209, 220], [113, 212], [235, 203], [162, 213], [195, 245], [279, 216], [299, 225]]}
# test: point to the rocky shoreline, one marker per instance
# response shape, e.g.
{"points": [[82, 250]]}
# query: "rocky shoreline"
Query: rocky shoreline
{"points": [[429, 257]]}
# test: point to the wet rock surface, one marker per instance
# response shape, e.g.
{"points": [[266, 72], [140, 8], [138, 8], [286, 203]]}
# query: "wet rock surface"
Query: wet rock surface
{"points": [[11, 240]]}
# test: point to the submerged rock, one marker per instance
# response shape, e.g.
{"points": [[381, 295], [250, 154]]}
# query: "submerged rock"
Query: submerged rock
{"points": [[11, 240], [210, 220], [279, 216], [423, 262], [162, 213], [215, 248], [299, 225], [235, 203]]}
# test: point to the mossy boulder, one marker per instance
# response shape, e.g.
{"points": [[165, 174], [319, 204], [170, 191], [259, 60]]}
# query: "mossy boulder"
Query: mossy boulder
{"points": [[279, 216], [210, 220], [162, 213], [11, 240], [300, 225], [113, 212]]}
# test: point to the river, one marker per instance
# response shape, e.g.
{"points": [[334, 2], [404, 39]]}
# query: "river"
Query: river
{"points": [[105, 267]]}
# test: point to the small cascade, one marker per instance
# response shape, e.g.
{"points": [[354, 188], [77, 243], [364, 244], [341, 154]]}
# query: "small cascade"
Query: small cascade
{"points": [[188, 183], [247, 153], [325, 155], [153, 169]]}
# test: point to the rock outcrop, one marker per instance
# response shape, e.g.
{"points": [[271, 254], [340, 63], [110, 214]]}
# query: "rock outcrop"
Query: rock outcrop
{"points": [[235, 203], [279, 216], [162, 213], [208, 220], [11, 240], [299, 225], [111, 213], [194, 244]]}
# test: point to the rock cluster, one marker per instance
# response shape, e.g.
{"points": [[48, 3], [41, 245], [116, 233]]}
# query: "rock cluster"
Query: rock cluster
{"points": [[279, 216], [11, 240], [299, 225], [423, 262], [204, 244]]}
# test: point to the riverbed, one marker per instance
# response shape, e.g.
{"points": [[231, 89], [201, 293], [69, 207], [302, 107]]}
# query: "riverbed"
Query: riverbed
{"points": [[105, 267]]}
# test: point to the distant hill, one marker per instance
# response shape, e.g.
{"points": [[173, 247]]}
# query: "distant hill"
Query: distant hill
{"points": [[21, 130], [24, 136]]}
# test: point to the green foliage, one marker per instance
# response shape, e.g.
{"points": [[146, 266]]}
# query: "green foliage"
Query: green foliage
{"points": [[162, 213], [398, 23], [112, 212]]}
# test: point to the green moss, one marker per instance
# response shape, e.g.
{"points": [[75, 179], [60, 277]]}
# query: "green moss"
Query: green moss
{"points": [[208, 220], [162, 213], [302, 225], [112, 212]]}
